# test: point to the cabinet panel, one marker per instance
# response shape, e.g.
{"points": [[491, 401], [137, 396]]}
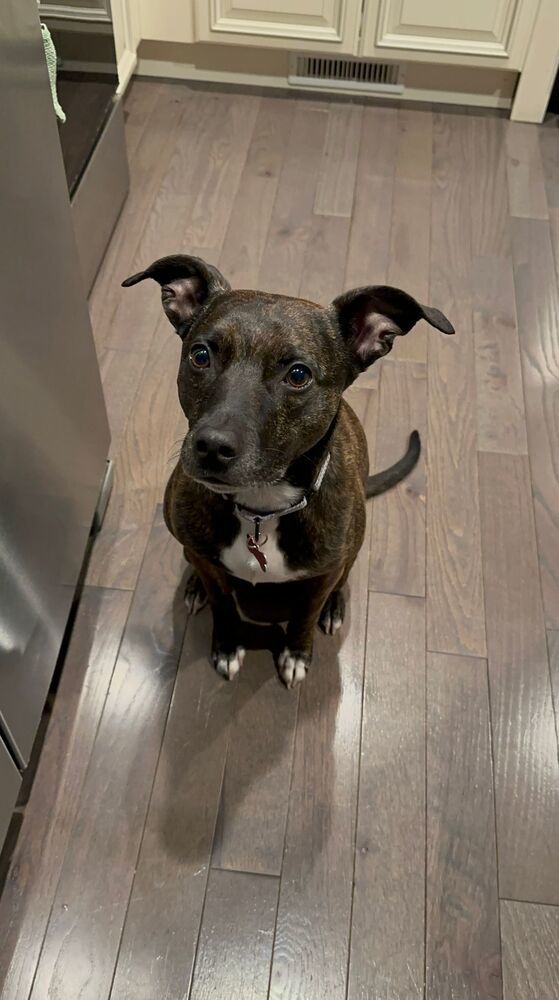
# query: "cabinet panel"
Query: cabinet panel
{"points": [[476, 27], [165, 21], [292, 24]]}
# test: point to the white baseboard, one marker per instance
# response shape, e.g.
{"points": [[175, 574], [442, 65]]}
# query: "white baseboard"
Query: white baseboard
{"points": [[187, 71], [127, 65]]}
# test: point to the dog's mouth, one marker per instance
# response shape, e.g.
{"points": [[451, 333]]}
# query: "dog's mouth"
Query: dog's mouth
{"points": [[214, 484], [221, 486]]}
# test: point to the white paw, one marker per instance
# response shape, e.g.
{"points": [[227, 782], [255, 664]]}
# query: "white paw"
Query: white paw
{"points": [[332, 623], [195, 597], [229, 664], [292, 668], [332, 615]]}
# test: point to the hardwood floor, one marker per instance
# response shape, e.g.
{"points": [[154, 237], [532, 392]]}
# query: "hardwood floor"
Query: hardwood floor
{"points": [[389, 831]]}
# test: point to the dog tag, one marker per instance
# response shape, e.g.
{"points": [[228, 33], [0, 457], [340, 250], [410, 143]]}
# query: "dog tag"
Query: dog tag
{"points": [[254, 549]]}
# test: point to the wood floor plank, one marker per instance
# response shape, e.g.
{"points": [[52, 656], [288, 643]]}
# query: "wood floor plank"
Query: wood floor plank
{"points": [[324, 263], [463, 957], [236, 937], [292, 217], [487, 167], [253, 812], [148, 446], [119, 547], [139, 104], [121, 372], [336, 180], [530, 951], [150, 435], [163, 229], [408, 265], [387, 937], [526, 184], [312, 935], [537, 305], [414, 156], [553, 652], [81, 943], [369, 243], [524, 738], [554, 233], [550, 163], [312, 931], [49, 814], [147, 170], [216, 178], [501, 417], [364, 401], [250, 219], [549, 152], [398, 533], [455, 612], [554, 228], [162, 924]]}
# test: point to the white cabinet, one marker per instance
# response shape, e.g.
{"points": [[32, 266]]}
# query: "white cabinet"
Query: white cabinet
{"points": [[490, 33], [165, 20], [469, 32], [479, 31], [320, 25]]}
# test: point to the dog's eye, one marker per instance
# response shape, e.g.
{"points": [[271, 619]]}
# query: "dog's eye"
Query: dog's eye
{"points": [[199, 356], [298, 376]]}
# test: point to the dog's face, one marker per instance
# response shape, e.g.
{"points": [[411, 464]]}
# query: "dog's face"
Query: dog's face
{"points": [[261, 376]]}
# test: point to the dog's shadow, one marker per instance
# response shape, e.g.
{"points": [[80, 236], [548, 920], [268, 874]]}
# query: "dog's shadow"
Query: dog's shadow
{"points": [[238, 754]]}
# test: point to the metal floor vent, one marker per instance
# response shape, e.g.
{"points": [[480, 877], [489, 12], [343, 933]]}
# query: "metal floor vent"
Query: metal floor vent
{"points": [[346, 74]]}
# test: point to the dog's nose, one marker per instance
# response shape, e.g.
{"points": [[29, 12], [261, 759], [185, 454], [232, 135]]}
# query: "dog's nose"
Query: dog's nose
{"points": [[216, 447]]}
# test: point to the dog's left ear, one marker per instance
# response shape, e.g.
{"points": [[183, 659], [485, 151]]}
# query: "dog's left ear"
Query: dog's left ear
{"points": [[186, 284], [370, 318]]}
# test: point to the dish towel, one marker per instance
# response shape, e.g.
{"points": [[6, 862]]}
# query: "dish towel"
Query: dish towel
{"points": [[50, 55]]}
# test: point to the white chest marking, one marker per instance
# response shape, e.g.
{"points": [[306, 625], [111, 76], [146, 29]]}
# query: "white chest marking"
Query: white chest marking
{"points": [[240, 562], [237, 558]]}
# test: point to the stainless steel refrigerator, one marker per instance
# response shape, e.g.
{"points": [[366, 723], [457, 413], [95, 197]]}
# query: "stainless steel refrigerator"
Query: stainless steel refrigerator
{"points": [[54, 435]]}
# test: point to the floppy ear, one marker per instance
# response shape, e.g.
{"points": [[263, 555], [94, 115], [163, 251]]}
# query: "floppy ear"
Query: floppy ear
{"points": [[186, 283], [370, 318]]}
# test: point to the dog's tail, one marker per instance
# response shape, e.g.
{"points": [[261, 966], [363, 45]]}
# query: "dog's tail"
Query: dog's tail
{"points": [[383, 481]]}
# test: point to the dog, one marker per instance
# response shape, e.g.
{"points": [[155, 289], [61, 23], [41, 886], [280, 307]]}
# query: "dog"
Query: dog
{"points": [[268, 496]]}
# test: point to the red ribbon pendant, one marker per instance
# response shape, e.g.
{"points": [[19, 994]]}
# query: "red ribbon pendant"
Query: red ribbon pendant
{"points": [[255, 550]]}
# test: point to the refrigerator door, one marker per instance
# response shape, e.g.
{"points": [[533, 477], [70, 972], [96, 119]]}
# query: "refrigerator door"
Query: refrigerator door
{"points": [[54, 435], [10, 781]]}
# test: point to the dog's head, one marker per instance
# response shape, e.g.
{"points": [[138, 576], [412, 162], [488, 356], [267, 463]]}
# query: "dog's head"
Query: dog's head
{"points": [[261, 375]]}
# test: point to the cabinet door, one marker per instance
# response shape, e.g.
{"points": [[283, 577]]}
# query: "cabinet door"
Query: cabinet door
{"points": [[290, 24], [164, 21], [497, 29]]}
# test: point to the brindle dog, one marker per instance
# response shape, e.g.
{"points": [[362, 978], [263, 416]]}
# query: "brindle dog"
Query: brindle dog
{"points": [[268, 497]]}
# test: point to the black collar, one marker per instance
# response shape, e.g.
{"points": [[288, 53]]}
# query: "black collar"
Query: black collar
{"points": [[303, 470], [258, 516], [317, 459]]}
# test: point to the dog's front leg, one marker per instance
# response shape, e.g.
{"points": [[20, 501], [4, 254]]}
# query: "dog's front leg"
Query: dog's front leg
{"points": [[295, 660], [228, 652]]}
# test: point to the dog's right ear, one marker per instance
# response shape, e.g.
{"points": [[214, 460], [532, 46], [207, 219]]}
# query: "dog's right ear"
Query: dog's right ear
{"points": [[186, 284], [370, 318]]}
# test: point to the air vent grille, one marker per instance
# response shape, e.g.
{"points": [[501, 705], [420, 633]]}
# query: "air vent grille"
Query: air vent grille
{"points": [[346, 73]]}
